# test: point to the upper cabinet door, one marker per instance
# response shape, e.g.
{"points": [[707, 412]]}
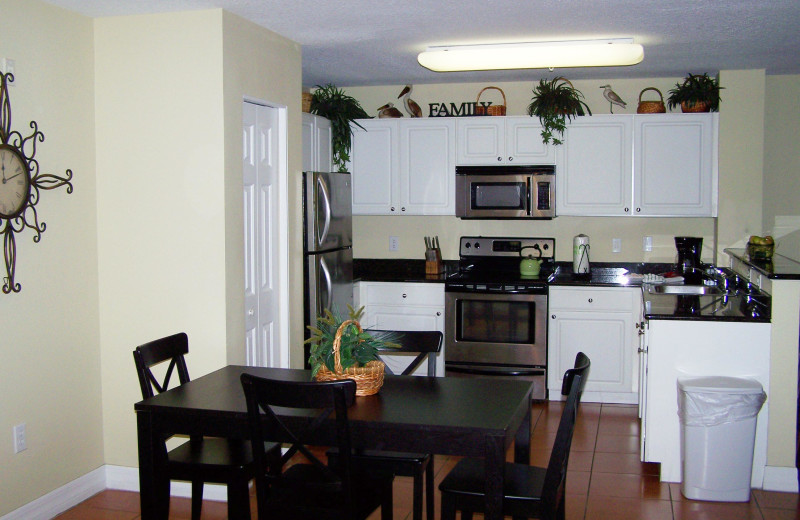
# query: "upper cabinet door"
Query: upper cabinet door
{"points": [[481, 140], [524, 142], [427, 166], [594, 166], [675, 165], [324, 136], [373, 165], [317, 134]]}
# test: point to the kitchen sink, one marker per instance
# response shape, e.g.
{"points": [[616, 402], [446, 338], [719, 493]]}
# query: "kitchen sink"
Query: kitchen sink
{"points": [[692, 290]]}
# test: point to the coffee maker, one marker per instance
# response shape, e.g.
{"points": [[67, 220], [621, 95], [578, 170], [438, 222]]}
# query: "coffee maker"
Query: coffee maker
{"points": [[689, 249]]}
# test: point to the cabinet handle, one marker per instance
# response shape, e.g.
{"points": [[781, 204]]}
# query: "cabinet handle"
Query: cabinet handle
{"points": [[510, 159], [590, 300], [627, 210], [553, 316], [438, 313], [392, 208], [638, 210], [499, 159], [405, 295], [402, 209]]}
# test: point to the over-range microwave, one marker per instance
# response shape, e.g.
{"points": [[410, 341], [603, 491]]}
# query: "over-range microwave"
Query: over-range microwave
{"points": [[506, 192]]}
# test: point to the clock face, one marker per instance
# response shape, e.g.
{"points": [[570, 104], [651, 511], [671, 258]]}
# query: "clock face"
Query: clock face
{"points": [[15, 182]]}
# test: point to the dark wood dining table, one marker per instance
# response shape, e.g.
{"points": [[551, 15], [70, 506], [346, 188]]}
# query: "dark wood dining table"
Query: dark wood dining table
{"points": [[440, 415]]}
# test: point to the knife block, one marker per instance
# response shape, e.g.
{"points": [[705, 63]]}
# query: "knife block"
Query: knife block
{"points": [[433, 262]]}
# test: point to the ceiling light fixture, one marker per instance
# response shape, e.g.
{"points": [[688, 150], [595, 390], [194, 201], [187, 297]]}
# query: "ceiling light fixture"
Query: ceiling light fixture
{"points": [[533, 55]]}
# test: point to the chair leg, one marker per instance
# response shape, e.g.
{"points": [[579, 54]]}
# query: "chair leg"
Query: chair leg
{"points": [[417, 500], [197, 499], [448, 507], [387, 508], [429, 477], [238, 500]]}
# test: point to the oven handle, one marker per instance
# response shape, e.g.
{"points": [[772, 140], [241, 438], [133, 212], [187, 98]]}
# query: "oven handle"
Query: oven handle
{"points": [[496, 372]]}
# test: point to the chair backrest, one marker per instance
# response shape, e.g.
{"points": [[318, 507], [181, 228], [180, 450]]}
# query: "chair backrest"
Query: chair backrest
{"points": [[425, 343], [171, 348], [556, 474], [323, 399]]}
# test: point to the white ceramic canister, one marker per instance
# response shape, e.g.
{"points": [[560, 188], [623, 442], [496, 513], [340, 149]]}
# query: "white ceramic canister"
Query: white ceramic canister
{"points": [[580, 254]]}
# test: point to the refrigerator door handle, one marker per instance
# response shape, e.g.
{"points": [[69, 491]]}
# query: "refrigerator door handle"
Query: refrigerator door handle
{"points": [[324, 199], [326, 275]]}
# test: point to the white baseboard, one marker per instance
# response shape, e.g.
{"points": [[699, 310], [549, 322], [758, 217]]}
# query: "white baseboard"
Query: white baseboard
{"points": [[61, 499], [780, 478], [106, 477]]}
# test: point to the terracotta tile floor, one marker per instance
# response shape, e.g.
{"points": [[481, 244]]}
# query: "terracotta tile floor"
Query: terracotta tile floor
{"points": [[606, 481]]}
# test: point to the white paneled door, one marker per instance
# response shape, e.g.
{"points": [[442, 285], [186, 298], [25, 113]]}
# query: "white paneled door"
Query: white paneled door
{"points": [[264, 238]]}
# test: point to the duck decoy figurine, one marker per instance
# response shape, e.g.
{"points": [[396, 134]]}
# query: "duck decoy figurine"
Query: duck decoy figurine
{"points": [[612, 97], [388, 110], [412, 107]]}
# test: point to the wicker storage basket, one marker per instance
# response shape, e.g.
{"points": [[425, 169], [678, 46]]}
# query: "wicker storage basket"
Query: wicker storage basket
{"points": [[369, 378], [651, 107], [306, 102], [491, 110], [700, 106]]}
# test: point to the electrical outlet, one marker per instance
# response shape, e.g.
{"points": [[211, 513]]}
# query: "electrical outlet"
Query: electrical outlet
{"points": [[616, 245], [20, 438], [647, 244], [394, 243], [7, 66]]}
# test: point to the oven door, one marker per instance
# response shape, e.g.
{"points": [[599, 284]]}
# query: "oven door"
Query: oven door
{"points": [[496, 328], [493, 196]]}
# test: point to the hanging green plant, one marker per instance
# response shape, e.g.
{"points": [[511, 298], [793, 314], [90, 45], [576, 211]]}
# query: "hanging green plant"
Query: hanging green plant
{"points": [[357, 347], [554, 102], [333, 104], [696, 94]]}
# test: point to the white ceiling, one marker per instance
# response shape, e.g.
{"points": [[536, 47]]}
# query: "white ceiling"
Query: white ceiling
{"points": [[376, 42]]}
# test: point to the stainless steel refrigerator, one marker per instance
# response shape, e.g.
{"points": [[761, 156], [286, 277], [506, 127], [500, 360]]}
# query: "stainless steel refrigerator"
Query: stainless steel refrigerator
{"points": [[327, 244]]}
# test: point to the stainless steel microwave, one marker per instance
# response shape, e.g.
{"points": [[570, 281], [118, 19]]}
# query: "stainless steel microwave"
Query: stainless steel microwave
{"points": [[506, 192]]}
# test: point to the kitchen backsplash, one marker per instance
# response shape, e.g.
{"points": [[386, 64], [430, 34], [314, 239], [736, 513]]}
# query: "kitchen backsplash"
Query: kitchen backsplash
{"points": [[371, 235]]}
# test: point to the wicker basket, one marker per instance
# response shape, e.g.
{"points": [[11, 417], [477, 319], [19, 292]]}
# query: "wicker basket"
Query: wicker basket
{"points": [[306, 102], [491, 110], [369, 378], [651, 107], [700, 106]]}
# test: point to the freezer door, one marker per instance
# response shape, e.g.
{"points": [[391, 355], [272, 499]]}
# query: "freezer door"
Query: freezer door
{"points": [[329, 220], [330, 283]]}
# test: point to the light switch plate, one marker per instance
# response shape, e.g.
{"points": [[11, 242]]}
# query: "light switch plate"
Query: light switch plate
{"points": [[647, 244], [616, 245]]}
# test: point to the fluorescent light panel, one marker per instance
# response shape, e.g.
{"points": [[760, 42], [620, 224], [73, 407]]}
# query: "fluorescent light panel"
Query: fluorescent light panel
{"points": [[534, 55]]}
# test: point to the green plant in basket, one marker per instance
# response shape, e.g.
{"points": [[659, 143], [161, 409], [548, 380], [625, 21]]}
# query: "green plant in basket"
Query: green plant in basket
{"points": [[357, 348], [554, 102], [332, 103]]}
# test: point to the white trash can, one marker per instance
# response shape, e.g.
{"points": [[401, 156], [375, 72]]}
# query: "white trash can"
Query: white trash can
{"points": [[718, 429]]}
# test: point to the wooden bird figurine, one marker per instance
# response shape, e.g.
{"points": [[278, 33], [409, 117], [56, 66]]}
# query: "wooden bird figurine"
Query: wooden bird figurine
{"points": [[388, 110], [412, 107], [612, 97]]}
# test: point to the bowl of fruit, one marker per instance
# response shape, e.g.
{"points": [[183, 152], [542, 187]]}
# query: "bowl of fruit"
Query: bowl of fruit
{"points": [[760, 248]]}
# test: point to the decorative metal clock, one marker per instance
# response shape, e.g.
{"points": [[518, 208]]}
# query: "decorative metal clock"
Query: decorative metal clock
{"points": [[20, 184]]}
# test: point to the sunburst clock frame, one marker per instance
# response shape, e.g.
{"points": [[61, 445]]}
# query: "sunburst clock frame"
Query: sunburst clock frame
{"points": [[20, 184]]}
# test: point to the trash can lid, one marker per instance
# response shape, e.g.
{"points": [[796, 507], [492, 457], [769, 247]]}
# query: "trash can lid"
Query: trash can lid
{"points": [[719, 384]]}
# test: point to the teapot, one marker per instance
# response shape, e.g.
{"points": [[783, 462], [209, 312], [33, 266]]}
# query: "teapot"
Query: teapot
{"points": [[530, 266]]}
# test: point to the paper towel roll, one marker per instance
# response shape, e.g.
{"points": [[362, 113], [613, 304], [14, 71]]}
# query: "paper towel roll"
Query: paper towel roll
{"points": [[580, 254]]}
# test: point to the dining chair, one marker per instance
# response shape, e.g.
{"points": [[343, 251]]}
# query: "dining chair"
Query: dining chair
{"points": [[426, 344], [528, 491], [202, 459], [312, 490]]}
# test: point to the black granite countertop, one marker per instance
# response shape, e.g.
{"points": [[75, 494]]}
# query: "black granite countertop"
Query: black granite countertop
{"points": [[405, 270], [607, 274], [736, 306], [779, 268]]}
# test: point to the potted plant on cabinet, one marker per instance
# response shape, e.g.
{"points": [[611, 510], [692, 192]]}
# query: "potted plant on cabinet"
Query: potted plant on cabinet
{"points": [[697, 93], [332, 103], [554, 102], [341, 349]]}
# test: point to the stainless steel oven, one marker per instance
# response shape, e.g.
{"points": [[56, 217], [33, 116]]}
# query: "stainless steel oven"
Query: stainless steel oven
{"points": [[505, 192], [495, 319]]}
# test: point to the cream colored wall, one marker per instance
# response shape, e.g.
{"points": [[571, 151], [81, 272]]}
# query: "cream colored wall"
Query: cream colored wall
{"points": [[782, 164], [161, 204], [50, 346], [251, 58]]}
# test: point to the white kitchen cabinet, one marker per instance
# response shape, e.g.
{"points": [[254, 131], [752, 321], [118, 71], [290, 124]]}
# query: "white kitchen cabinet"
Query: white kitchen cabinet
{"points": [[674, 164], [639, 165], [502, 140], [693, 348], [403, 167], [595, 167], [599, 321], [317, 151], [403, 306]]}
